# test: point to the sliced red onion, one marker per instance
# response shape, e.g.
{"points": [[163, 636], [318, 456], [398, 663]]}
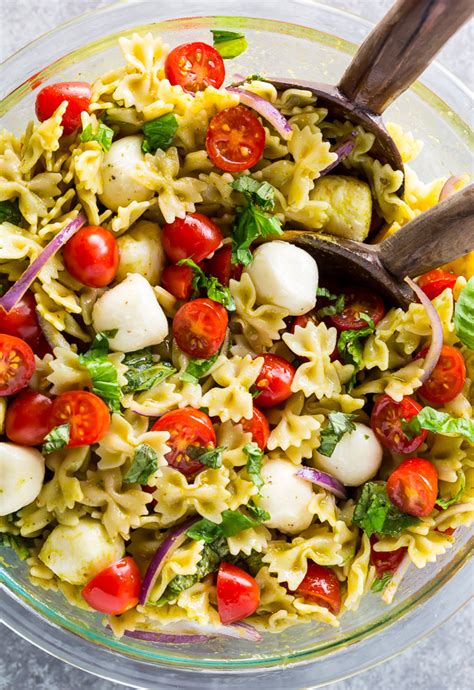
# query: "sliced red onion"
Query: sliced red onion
{"points": [[265, 109], [323, 479], [241, 631], [342, 151], [245, 632], [18, 289], [449, 187], [167, 638], [434, 350], [164, 551]]}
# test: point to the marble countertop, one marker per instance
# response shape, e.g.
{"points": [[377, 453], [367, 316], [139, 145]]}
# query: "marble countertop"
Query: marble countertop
{"points": [[443, 661]]}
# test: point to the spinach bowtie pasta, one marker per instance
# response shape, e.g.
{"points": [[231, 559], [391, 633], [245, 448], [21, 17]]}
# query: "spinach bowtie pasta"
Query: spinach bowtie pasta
{"points": [[197, 430]]}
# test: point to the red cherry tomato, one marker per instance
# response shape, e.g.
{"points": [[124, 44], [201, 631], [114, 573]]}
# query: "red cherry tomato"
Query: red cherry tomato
{"points": [[235, 139], [274, 381], [321, 586], [27, 419], [22, 320], [76, 93], [193, 237], [179, 281], [385, 561], [435, 282], [195, 66], [186, 427], [386, 421], [238, 594], [17, 364], [115, 589], [358, 301], [92, 256], [413, 487], [221, 266], [258, 426], [199, 327], [447, 378], [86, 413]]}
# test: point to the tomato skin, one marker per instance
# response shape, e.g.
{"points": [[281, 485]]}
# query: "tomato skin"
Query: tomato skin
{"points": [[194, 66], [258, 426], [235, 139], [447, 378], [17, 364], [413, 487], [92, 256], [386, 422], [179, 281], [435, 282], [385, 561], [22, 320], [221, 267], [238, 594], [76, 93], [115, 589], [193, 237], [187, 427], [321, 586], [274, 381], [199, 327], [27, 418], [87, 414], [358, 300]]}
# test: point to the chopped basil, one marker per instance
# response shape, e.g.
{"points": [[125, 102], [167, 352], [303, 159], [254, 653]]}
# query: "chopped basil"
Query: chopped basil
{"points": [[330, 309], [444, 503], [214, 290], [463, 315], [349, 343], [10, 212], [211, 457], [143, 372], [339, 423], [159, 133], [102, 372], [229, 44], [376, 514], [56, 439], [381, 582], [197, 368], [254, 464], [233, 522], [145, 463], [17, 543], [104, 135], [440, 423]]}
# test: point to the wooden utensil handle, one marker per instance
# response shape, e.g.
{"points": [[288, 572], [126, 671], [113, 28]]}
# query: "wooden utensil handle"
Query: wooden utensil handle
{"points": [[400, 48], [437, 236]]}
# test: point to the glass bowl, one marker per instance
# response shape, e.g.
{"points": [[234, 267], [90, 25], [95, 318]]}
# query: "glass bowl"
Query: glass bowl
{"points": [[315, 44]]}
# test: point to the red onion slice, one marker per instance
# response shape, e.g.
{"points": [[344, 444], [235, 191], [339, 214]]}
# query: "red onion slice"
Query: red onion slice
{"points": [[167, 638], [245, 632], [241, 631], [265, 109], [449, 188], [342, 151], [18, 289], [323, 479], [434, 350]]}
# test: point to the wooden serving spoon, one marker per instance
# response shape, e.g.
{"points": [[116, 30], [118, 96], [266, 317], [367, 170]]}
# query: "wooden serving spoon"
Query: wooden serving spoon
{"points": [[439, 235]]}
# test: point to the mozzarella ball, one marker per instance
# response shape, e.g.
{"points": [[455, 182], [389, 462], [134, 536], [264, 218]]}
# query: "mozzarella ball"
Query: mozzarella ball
{"points": [[285, 496], [356, 458], [141, 251], [284, 275], [21, 476], [132, 309], [77, 553], [118, 166]]}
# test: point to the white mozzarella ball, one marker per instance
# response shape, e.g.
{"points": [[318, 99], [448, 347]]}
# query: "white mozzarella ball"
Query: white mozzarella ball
{"points": [[77, 553], [285, 496], [356, 458], [21, 476], [132, 309], [141, 251], [118, 165], [284, 275]]}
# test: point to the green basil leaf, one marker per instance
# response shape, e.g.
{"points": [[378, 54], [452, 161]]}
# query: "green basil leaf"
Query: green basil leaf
{"points": [[254, 464], [339, 423], [159, 133], [143, 372], [349, 343], [214, 289], [440, 423], [229, 44], [103, 374], [233, 522], [145, 463], [257, 513], [56, 439], [262, 194], [376, 514], [381, 582], [197, 368], [211, 457], [332, 309], [464, 315], [10, 212], [446, 502], [17, 543], [104, 135]]}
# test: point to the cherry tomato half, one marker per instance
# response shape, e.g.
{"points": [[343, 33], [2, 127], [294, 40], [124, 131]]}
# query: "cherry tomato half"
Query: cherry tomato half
{"points": [[22, 320], [76, 93], [221, 267], [193, 237], [447, 378], [17, 364], [179, 281], [199, 327], [385, 561], [358, 300], [386, 421], [115, 589], [413, 487], [235, 139], [86, 413], [238, 594], [274, 381], [92, 256], [195, 66], [186, 427], [258, 426], [321, 586], [27, 419], [435, 282]]}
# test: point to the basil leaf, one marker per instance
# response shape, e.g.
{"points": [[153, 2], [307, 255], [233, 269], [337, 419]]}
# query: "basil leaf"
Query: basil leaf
{"points": [[376, 514], [145, 463], [233, 522], [229, 44], [381, 582], [339, 423], [446, 502], [349, 343], [17, 543], [56, 439], [197, 368], [254, 463], [211, 457], [330, 309], [159, 133], [143, 372], [464, 315], [104, 135], [253, 562], [262, 194], [324, 292], [215, 290], [257, 513], [10, 212], [101, 370], [439, 422]]}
